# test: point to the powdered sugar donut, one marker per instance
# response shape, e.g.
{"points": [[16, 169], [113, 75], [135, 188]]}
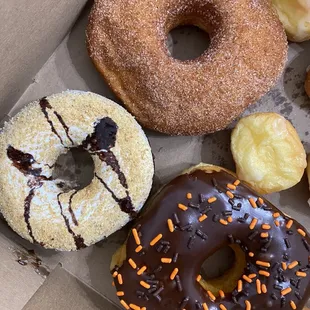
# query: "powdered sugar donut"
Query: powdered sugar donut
{"points": [[36, 206]]}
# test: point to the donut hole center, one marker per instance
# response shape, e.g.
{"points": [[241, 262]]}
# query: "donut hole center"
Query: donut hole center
{"points": [[74, 170], [187, 42], [223, 269]]}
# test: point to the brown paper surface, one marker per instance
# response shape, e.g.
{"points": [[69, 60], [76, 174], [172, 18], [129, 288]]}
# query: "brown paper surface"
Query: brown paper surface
{"points": [[68, 67]]}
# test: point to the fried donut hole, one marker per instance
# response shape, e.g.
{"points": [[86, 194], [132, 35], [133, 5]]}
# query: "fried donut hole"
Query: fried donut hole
{"points": [[268, 152], [295, 17]]}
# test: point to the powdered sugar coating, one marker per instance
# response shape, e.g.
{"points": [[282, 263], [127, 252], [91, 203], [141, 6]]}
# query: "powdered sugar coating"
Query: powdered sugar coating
{"points": [[127, 43]]}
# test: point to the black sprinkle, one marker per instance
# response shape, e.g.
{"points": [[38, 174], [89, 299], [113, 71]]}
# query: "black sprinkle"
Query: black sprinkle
{"points": [[178, 282], [201, 234], [140, 293], [277, 287], [239, 205], [236, 208], [176, 218], [165, 242], [155, 282], [253, 235], [191, 242], [234, 293], [241, 220], [159, 248], [141, 253], [234, 299], [158, 269], [289, 232], [298, 295], [238, 196], [187, 227], [231, 201], [275, 266], [216, 218], [206, 210], [151, 276], [293, 282], [193, 205], [198, 305], [138, 227], [285, 256], [304, 269], [298, 284], [238, 241], [184, 302], [166, 249], [152, 290], [158, 291], [267, 208], [267, 245], [245, 293], [273, 296], [227, 213], [158, 298], [231, 239], [283, 302], [244, 248], [214, 182], [280, 270], [175, 257], [306, 244], [287, 243], [202, 198], [246, 216]]}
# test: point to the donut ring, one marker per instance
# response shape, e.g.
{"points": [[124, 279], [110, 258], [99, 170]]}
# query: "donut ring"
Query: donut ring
{"points": [[37, 206], [191, 218], [247, 54]]}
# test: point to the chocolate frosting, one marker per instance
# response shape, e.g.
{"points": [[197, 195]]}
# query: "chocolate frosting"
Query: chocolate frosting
{"points": [[284, 247]]}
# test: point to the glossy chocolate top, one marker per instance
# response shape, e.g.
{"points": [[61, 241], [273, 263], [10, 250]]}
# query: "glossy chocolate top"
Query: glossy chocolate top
{"points": [[191, 218]]}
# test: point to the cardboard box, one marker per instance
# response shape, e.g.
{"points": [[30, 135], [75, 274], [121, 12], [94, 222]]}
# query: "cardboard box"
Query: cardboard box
{"points": [[43, 52]]}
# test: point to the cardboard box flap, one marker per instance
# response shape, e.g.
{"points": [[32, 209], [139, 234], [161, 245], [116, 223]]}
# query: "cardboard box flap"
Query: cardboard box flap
{"points": [[29, 33]]}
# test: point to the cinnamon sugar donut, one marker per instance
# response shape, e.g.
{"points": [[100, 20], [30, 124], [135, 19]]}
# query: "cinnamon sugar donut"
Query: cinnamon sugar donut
{"points": [[127, 43], [39, 207], [192, 217]]}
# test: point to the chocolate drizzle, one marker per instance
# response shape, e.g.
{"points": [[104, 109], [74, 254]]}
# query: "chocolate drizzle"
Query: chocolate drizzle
{"points": [[27, 204], [100, 143], [78, 240], [66, 128], [74, 220]]}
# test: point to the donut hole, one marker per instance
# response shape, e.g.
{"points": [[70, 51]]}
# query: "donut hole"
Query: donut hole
{"points": [[227, 267], [74, 170], [187, 42]]}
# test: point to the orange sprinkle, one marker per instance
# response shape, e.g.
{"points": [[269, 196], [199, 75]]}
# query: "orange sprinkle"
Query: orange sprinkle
{"points": [[277, 223], [182, 207], [174, 273], [123, 303], [246, 278], [301, 274], [120, 293], [113, 284], [138, 248], [223, 222], [136, 236], [143, 308], [251, 254], [231, 186], [286, 291], [247, 305], [134, 307], [252, 275], [253, 203], [115, 273], [166, 260], [230, 194], [132, 263], [284, 265], [202, 218], [261, 200], [229, 219], [266, 226], [264, 235], [264, 273], [120, 279], [258, 286], [170, 225], [189, 196], [237, 182], [289, 224], [239, 288], [253, 223], [222, 307], [261, 263], [141, 270], [301, 232], [293, 305], [276, 214], [293, 264], [222, 294], [204, 306], [144, 284], [212, 199], [264, 288], [198, 278], [156, 239], [212, 297]]}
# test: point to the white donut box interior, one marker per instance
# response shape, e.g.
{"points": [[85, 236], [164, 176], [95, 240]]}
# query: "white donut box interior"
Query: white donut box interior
{"points": [[43, 52]]}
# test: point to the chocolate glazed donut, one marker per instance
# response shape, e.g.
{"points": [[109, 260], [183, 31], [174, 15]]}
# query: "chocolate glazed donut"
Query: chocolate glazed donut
{"points": [[191, 218]]}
